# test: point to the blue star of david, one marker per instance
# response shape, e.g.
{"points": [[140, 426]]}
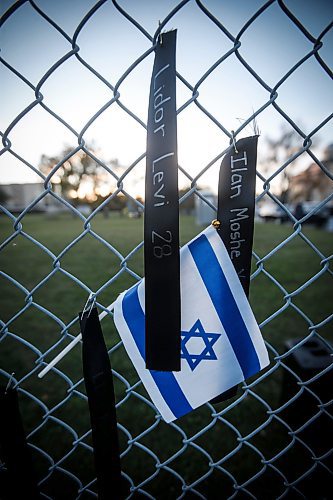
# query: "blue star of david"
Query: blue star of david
{"points": [[209, 339]]}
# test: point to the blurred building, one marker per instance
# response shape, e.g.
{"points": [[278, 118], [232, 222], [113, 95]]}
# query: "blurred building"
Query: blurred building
{"points": [[204, 214], [16, 197]]}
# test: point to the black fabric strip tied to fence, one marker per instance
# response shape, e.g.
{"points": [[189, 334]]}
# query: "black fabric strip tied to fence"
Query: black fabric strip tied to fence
{"points": [[235, 213], [18, 481], [161, 225], [102, 407], [236, 202]]}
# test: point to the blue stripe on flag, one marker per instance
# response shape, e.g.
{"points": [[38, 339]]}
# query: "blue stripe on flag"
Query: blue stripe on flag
{"points": [[225, 305], [165, 381]]}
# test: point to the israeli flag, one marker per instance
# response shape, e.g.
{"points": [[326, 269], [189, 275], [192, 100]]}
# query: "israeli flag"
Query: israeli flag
{"points": [[221, 344]]}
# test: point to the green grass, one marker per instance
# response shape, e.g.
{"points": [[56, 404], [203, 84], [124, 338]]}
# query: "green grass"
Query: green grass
{"points": [[93, 264]]}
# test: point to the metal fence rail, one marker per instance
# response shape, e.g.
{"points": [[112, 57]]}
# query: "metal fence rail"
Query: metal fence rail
{"points": [[197, 443]]}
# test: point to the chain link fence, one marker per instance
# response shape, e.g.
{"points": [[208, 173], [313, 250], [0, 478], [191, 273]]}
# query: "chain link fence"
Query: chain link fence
{"points": [[273, 439]]}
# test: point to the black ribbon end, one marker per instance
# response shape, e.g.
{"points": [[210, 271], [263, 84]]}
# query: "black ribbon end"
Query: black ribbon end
{"points": [[168, 366]]}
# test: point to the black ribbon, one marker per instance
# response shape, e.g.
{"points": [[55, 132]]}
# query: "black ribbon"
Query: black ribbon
{"points": [[102, 407], [19, 480], [236, 202], [161, 225], [235, 212]]}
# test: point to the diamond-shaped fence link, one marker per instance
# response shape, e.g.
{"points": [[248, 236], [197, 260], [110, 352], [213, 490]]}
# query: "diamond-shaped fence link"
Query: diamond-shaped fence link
{"points": [[270, 441]]}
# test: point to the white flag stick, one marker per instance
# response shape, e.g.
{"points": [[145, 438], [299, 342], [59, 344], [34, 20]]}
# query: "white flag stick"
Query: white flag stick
{"points": [[70, 346]]}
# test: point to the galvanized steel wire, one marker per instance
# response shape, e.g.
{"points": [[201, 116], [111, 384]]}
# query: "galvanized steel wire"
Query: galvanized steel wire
{"points": [[56, 268]]}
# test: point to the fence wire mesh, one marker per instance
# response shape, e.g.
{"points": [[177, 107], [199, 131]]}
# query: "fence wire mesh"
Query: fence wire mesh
{"points": [[266, 441]]}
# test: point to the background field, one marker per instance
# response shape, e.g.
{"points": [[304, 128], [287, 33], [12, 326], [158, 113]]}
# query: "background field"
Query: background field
{"points": [[93, 263]]}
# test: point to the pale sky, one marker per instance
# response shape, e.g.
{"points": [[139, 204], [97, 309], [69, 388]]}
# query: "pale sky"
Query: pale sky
{"points": [[110, 43]]}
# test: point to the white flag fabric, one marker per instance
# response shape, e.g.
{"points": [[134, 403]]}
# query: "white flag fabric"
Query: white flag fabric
{"points": [[221, 344]]}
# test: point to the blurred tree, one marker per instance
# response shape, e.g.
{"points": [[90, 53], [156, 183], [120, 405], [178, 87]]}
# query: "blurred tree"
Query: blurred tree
{"points": [[117, 203], [279, 151], [81, 178]]}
